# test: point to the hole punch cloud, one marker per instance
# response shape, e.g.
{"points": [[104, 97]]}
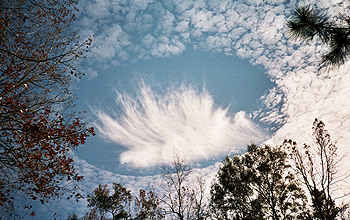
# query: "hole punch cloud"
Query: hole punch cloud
{"points": [[250, 29], [152, 125]]}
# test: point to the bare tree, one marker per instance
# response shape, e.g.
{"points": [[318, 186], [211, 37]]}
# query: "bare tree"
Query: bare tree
{"points": [[200, 200], [318, 166], [183, 199]]}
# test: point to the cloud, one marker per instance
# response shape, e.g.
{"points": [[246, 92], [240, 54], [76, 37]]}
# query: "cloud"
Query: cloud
{"points": [[140, 27], [303, 92], [182, 26], [186, 119], [110, 43], [250, 29], [91, 73], [93, 176], [152, 125]]}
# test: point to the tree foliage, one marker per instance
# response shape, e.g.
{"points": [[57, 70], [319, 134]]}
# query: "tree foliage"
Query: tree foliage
{"points": [[257, 185], [73, 216], [92, 215], [307, 23], [116, 204], [147, 206], [38, 125], [121, 205], [318, 166]]}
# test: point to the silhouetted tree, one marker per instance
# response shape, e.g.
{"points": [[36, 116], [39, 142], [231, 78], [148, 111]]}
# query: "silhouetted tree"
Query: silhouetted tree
{"points": [[92, 215], [177, 197], [116, 204], [147, 206], [318, 167], [72, 216], [200, 206], [257, 185], [183, 199], [38, 124], [308, 22]]}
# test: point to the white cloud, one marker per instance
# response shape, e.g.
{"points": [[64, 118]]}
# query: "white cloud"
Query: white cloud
{"points": [[165, 46], [202, 20], [166, 25], [182, 26], [152, 125], [93, 176], [91, 73], [251, 29], [187, 119], [198, 23], [107, 45], [148, 40], [254, 30], [141, 4], [98, 9]]}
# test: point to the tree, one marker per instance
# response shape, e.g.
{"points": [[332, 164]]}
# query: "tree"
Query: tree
{"points": [[307, 23], [121, 205], [200, 206], [147, 206], [99, 200], [318, 168], [115, 204], [181, 198], [257, 185], [177, 196], [38, 125], [73, 216], [92, 215]]}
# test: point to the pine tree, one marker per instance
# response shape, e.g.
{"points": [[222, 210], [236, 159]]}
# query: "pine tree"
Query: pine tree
{"points": [[308, 23]]}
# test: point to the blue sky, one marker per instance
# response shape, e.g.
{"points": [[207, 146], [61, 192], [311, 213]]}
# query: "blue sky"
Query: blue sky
{"points": [[203, 77], [197, 75]]}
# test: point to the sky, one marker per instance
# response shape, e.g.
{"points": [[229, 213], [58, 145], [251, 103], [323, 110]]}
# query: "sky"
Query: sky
{"points": [[204, 78]]}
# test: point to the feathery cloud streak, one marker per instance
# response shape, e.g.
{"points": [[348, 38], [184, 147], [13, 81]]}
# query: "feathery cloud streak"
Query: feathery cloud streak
{"points": [[251, 29], [152, 125]]}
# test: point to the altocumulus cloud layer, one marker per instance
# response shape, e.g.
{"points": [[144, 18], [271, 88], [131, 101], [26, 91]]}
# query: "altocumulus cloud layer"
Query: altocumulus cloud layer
{"points": [[94, 176], [153, 125], [164, 28], [250, 29]]}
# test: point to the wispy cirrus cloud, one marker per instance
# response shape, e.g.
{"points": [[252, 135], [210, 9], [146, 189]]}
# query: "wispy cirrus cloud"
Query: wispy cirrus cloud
{"points": [[152, 125], [251, 29]]}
